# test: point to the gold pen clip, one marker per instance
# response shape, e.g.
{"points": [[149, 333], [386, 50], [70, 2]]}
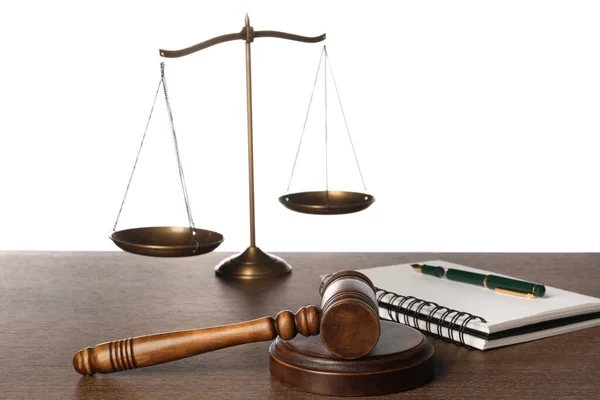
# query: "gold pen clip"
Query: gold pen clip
{"points": [[512, 292]]}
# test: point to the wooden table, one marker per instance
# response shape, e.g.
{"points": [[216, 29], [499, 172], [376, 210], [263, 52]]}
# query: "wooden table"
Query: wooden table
{"points": [[54, 303]]}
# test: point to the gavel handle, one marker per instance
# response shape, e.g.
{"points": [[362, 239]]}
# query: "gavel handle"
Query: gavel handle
{"points": [[144, 351]]}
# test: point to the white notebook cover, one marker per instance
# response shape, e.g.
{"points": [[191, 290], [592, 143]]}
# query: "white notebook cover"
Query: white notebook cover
{"points": [[501, 311]]}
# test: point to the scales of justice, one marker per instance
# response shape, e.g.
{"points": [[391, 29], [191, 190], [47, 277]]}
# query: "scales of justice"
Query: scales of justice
{"points": [[177, 241]]}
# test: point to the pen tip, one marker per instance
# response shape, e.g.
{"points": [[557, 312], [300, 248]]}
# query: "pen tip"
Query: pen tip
{"points": [[416, 267]]}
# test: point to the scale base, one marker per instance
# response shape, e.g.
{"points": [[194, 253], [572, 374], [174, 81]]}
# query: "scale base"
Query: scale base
{"points": [[252, 264]]}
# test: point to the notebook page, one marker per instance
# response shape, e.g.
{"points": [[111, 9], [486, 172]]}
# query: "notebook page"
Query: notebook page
{"points": [[501, 311]]}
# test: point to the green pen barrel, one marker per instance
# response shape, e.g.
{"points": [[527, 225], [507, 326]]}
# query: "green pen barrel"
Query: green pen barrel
{"points": [[465, 277], [494, 282], [432, 270]]}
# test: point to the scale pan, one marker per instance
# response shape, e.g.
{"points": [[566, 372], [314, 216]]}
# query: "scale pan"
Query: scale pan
{"points": [[167, 241], [317, 202]]}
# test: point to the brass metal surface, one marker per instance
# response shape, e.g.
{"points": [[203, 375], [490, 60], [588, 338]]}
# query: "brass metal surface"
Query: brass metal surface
{"points": [[252, 264], [327, 202], [247, 33], [249, 39], [167, 241]]}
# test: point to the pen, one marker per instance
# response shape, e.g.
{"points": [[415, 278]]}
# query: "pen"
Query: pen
{"points": [[499, 284]]}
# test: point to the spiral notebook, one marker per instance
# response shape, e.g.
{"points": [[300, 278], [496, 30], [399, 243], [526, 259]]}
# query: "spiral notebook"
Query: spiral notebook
{"points": [[475, 316]]}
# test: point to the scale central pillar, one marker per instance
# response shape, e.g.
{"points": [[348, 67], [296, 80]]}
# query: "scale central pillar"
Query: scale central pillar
{"points": [[252, 263]]}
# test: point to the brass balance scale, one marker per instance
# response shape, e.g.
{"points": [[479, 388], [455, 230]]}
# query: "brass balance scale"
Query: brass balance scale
{"points": [[178, 241]]}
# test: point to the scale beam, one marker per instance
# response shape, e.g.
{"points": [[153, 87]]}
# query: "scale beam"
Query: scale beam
{"points": [[247, 33]]}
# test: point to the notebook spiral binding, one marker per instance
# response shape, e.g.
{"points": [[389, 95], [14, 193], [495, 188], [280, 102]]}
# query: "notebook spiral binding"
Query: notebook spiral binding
{"points": [[409, 309]]}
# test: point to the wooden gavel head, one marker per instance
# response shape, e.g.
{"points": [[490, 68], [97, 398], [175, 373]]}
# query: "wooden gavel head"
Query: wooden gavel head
{"points": [[349, 314]]}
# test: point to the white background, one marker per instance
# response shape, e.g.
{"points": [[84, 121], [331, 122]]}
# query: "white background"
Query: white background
{"points": [[475, 123]]}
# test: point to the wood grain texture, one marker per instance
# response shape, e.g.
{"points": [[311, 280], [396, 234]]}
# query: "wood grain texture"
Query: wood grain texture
{"points": [[145, 351], [350, 325], [54, 303], [403, 359]]}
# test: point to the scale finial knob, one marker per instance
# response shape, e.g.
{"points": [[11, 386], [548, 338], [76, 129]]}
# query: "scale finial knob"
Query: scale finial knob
{"points": [[247, 20]]}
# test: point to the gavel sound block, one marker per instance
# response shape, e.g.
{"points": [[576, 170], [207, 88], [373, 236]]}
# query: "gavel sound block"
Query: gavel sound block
{"points": [[401, 359], [348, 359]]}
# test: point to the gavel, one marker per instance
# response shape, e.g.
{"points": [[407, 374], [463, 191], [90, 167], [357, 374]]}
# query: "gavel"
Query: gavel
{"points": [[347, 321]]}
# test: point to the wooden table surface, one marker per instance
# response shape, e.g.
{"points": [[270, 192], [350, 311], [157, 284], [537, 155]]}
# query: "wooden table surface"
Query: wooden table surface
{"points": [[54, 303]]}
